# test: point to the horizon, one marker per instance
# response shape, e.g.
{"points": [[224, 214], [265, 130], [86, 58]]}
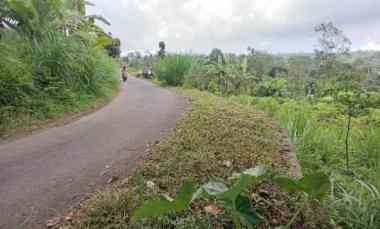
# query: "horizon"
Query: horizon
{"points": [[284, 26]]}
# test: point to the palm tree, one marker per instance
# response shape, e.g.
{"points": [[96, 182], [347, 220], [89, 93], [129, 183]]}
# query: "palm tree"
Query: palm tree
{"points": [[33, 18], [30, 15]]}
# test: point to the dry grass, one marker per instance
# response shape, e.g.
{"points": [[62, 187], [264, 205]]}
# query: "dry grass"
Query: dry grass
{"points": [[213, 133]]}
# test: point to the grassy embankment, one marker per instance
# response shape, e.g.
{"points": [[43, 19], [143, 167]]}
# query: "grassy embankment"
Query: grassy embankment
{"points": [[214, 140], [53, 62], [318, 130], [48, 79]]}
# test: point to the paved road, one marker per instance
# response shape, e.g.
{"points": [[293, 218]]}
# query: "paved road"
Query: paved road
{"points": [[45, 173]]}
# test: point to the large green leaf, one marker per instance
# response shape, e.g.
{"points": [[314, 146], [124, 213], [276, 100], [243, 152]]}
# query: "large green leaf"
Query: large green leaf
{"points": [[287, 184], [153, 208], [184, 196], [245, 212], [160, 206], [240, 185], [316, 185], [245, 180]]}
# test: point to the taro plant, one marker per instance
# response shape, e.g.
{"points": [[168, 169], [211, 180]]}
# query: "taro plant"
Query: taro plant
{"points": [[163, 205], [234, 200], [309, 188]]}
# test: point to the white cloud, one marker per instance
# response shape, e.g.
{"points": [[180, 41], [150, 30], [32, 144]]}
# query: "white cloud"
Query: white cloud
{"points": [[200, 25], [371, 46]]}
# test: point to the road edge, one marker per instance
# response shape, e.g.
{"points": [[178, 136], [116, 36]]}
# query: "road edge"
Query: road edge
{"points": [[63, 120]]}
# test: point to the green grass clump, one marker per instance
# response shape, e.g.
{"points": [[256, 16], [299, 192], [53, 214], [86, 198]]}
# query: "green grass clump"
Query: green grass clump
{"points": [[214, 132], [171, 70], [47, 78]]}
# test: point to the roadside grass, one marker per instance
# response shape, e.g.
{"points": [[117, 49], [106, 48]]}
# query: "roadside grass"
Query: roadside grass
{"points": [[32, 105], [317, 130], [48, 79], [15, 123], [213, 140]]}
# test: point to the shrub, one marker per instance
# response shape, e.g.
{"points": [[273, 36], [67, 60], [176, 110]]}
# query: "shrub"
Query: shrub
{"points": [[46, 78], [172, 69], [272, 87], [15, 71], [220, 79]]}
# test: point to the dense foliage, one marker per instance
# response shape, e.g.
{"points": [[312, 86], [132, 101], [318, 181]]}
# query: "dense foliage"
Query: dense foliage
{"points": [[52, 62], [317, 128], [172, 69], [328, 101]]}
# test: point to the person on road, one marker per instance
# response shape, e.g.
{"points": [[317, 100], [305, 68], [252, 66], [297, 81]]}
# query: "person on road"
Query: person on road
{"points": [[124, 73]]}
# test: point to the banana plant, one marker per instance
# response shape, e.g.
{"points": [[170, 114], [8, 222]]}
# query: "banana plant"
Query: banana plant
{"points": [[18, 15], [31, 17]]}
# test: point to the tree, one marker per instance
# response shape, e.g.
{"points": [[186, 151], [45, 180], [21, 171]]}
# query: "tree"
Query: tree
{"points": [[259, 63], [332, 43], [34, 18], [114, 48], [300, 68], [217, 56], [162, 51]]}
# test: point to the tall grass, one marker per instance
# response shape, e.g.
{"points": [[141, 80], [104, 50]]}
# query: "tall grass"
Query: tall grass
{"points": [[318, 131], [172, 69], [44, 79], [356, 208]]}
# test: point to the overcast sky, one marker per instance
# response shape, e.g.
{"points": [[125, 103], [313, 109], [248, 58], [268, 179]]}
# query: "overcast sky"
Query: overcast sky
{"points": [[233, 25]]}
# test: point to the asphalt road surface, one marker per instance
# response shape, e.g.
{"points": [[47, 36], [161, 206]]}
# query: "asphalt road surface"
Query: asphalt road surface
{"points": [[45, 173]]}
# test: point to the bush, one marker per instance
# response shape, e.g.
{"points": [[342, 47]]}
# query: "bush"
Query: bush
{"points": [[272, 87], [172, 69], [46, 78], [15, 71], [220, 79]]}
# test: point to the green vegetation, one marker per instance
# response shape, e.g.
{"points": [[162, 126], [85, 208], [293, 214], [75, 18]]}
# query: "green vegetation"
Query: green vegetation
{"points": [[234, 200], [317, 128], [328, 102], [172, 69], [53, 61], [214, 140]]}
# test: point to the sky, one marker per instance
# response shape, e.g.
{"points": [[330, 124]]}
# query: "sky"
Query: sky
{"points": [[198, 26]]}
